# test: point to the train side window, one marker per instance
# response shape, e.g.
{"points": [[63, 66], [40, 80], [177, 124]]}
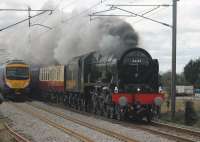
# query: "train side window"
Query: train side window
{"points": [[40, 75], [48, 74], [51, 74], [59, 74], [49, 71], [45, 73], [56, 74]]}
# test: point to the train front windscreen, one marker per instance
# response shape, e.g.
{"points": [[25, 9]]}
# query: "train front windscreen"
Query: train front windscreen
{"points": [[17, 73]]}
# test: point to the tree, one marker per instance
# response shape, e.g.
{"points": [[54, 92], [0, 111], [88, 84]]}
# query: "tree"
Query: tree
{"points": [[180, 79], [192, 72], [165, 80]]}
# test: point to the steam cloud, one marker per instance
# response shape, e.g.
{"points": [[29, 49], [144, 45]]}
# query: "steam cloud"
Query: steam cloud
{"points": [[71, 39]]}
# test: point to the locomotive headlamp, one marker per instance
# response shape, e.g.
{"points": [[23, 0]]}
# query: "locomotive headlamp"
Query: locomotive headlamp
{"points": [[116, 89], [122, 101], [9, 84], [158, 101], [138, 89]]}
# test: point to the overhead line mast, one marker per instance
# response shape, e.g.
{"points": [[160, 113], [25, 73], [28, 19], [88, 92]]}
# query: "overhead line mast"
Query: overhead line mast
{"points": [[173, 75]]}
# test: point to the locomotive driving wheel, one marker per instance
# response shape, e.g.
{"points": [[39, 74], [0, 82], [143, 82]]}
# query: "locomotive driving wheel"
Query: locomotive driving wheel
{"points": [[111, 112], [119, 113], [149, 115], [106, 111]]}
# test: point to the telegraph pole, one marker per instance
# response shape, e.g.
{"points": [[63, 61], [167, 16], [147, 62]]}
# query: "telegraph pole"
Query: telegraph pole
{"points": [[173, 75]]}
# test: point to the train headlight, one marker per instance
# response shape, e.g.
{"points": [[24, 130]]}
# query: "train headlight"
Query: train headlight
{"points": [[158, 101], [122, 101], [9, 84], [26, 84]]}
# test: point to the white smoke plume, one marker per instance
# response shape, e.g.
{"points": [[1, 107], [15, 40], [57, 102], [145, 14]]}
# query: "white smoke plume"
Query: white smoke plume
{"points": [[66, 40]]}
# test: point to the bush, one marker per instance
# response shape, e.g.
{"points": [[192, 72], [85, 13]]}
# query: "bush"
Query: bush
{"points": [[190, 114]]}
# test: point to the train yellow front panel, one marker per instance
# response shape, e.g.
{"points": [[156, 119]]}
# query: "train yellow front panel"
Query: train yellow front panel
{"points": [[17, 83]]}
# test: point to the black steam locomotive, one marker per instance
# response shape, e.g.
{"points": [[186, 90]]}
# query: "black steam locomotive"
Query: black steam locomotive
{"points": [[115, 85]]}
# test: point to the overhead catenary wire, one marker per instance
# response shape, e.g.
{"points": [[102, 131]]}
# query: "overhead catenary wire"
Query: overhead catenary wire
{"points": [[152, 13], [140, 5], [2, 29], [72, 17], [146, 17], [55, 11], [85, 11], [25, 10], [122, 15]]}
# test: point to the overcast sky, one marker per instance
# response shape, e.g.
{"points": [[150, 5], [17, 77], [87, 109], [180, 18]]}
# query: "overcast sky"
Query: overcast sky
{"points": [[155, 38]]}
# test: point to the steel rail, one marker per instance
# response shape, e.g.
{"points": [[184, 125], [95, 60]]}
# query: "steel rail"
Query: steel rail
{"points": [[88, 125], [134, 126], [167, 135], [177, 128], [56, 125], [15, 135]]}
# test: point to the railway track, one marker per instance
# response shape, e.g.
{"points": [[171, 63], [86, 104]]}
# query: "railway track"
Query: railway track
{"points": [[180, 137], [179, 129], [115, 135], [185, 133], [17, 137], [170, 132], [54, 124]]}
